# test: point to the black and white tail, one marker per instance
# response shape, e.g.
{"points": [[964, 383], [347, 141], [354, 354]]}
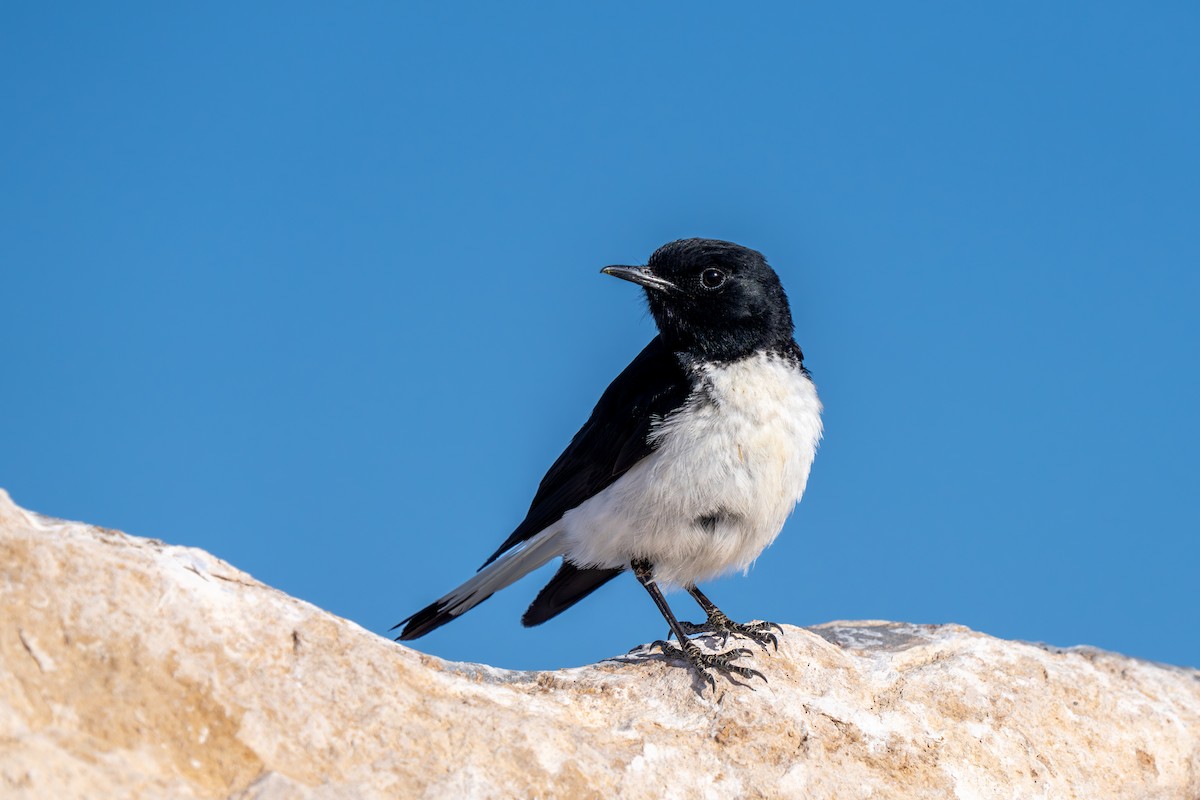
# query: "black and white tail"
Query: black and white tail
{"points": [[509, 568]]}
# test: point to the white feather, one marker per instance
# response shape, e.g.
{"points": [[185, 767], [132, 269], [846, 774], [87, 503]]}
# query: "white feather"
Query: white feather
{"points": [[738, 452], [506, 570]]}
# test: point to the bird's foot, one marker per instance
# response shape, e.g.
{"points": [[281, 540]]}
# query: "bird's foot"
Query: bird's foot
{"points": [[702, 662], [757, 632]]}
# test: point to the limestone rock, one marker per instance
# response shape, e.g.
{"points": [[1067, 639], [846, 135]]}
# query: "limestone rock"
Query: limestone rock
{"points": [[131, 668]]}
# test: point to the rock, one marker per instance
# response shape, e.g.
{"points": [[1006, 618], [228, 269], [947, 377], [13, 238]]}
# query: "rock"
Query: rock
{"points": [[132, 668]]}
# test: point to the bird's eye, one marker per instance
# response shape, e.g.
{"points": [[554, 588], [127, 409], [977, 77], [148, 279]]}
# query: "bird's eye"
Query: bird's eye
{"points": [[712, 278]]}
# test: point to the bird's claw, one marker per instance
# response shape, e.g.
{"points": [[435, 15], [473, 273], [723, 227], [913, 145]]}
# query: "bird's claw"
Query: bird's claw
{"points": [[702, 662], [757, 632], [760, 633]]}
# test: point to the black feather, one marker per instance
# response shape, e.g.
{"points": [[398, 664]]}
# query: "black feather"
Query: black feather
{"points": [[613, 439], [568, 586], [429, 618]]}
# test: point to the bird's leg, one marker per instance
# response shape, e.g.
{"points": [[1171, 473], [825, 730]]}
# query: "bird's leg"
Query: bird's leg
{"points": [[758, 632], [701, 662]]}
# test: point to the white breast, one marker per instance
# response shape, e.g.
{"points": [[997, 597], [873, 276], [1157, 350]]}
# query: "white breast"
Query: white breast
{"points": [[729, 468]]}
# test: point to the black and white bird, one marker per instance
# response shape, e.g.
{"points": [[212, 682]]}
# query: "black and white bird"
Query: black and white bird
{"points": [[690, 463]]}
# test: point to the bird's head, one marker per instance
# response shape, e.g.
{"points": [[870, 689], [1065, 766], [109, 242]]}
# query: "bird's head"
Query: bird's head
{"points": [[716, 300]]}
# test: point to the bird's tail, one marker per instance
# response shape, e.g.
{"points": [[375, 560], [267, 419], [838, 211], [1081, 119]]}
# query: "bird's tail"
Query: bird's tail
{"points": [[493, 577]]}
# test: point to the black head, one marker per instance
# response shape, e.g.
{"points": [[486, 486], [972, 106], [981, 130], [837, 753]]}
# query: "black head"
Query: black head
{"points": [[715, 299]]}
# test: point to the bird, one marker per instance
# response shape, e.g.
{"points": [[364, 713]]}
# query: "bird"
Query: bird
{"points": [[687, 468]]}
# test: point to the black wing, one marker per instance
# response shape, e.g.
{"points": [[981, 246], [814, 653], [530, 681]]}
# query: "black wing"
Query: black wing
{"points": [[568, 586], [610, 442]]}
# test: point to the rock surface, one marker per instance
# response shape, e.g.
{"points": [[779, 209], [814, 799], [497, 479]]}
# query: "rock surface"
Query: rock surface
{"points": [[131, 668]]}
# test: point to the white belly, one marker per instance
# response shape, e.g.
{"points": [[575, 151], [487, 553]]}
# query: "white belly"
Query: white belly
{"points": [[730, 466]]}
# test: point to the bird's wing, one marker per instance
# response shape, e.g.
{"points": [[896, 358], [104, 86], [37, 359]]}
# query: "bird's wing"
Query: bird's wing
{"points": [[613, 439]]}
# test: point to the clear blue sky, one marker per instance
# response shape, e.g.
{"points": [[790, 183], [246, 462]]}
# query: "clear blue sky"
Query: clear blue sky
{"points": [[316, 288]]}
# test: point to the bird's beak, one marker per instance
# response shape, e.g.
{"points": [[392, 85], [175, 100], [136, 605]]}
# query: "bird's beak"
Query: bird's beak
{"points": [[639, 275]]}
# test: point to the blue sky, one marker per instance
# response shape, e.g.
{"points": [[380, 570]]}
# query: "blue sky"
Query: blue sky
{"points": [[316, 289]]}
